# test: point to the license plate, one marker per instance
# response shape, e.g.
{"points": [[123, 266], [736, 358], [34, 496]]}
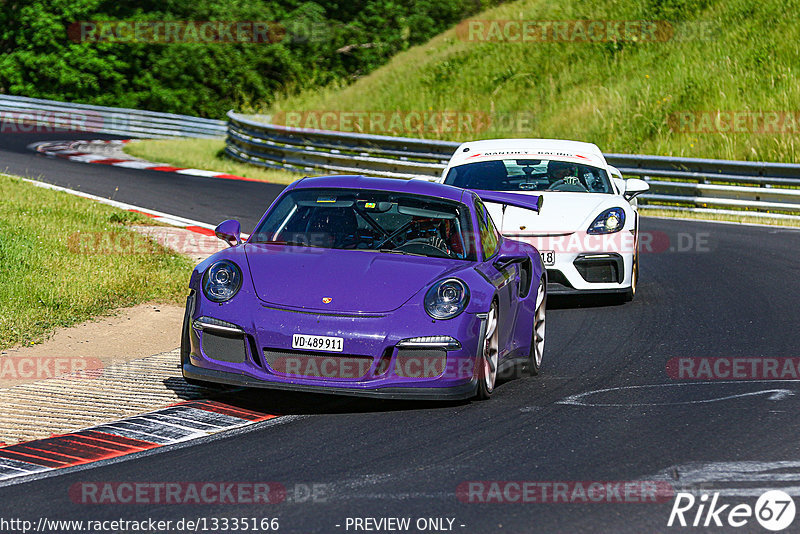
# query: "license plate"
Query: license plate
{"points": [[326, 343], [548, 257]]}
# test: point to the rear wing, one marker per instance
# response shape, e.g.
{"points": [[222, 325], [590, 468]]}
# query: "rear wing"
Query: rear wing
{"points": [[528, 202]]}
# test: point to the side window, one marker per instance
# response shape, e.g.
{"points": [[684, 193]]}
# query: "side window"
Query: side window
{"points": [[488, 232]]}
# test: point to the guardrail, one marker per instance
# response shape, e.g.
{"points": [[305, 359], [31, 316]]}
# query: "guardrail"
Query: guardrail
{"points": [[33, 114], [305, 150], [763, 189]]}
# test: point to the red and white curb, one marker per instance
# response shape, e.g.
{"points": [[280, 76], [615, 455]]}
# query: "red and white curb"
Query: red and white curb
{"points": [[178, 423], [91, 152]]}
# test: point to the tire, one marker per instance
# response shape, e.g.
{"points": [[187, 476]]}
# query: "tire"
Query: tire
{"points": [[537, 335], [630, 293], [489, 360]]}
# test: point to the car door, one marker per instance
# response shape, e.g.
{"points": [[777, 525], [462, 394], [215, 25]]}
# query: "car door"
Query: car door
{"points": [[505, 279]]}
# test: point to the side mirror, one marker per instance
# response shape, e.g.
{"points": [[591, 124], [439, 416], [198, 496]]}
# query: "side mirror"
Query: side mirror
{"points": [[615, 172], [503, 260], [635, 186], [229, 231], [508, 254]]}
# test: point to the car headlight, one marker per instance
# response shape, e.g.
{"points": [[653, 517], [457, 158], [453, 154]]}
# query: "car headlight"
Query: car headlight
{"points": [[610, 221], [446, 298], [222, 281]]}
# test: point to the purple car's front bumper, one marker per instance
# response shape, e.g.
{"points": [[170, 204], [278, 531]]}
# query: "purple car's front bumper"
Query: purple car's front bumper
{"points": [[252, 347]]}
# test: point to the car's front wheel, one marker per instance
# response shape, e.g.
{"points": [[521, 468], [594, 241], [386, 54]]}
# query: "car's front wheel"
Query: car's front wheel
{"points": [[631, 292], [489, 357], [537, 337]]}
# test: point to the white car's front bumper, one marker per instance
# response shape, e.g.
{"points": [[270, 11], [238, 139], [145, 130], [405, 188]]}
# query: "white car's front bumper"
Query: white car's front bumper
{"points": [[602, 264]]}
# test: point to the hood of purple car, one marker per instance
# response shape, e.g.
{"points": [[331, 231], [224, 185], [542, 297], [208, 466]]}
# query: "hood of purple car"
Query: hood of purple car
{"points": [[342, 281]]}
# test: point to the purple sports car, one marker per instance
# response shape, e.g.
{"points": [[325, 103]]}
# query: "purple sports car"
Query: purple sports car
{"points": [[368, 286]]}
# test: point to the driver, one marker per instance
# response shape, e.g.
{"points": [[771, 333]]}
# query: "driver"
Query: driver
{"points": [[430, 231], [559, 171]]}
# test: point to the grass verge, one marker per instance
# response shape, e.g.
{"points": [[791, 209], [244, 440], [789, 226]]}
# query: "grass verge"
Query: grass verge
{"points": [[67, 259], [206, 154]]}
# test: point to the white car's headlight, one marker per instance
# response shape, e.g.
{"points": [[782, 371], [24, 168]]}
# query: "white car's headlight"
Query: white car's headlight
{"points": [[610, 221], [446, 298], [222, 281]]}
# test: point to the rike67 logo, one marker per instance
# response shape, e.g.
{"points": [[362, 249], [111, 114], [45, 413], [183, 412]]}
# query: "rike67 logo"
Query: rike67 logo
{"points": [[774, 510]]}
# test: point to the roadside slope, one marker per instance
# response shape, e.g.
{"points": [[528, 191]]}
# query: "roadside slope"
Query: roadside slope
{"points": [[737, 56]]}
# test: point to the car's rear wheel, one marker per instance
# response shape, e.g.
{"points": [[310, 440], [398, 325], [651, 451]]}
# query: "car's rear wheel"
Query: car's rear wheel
{"points": [[537, 337], [489, 357]]}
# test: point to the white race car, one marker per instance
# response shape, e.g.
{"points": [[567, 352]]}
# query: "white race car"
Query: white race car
{"points": [[587, 231]]}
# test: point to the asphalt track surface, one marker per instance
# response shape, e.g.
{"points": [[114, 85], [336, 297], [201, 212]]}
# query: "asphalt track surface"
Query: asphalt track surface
{"points": [[722, 291], [177, 194]]}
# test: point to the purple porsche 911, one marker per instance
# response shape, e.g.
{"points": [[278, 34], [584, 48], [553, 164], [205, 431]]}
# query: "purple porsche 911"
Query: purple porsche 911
{"points": [[368, 286]]}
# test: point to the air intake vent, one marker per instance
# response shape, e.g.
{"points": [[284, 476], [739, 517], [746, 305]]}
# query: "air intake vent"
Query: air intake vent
{"points": [[317, 365], [420, 363], [600, 268], [224, 347]]}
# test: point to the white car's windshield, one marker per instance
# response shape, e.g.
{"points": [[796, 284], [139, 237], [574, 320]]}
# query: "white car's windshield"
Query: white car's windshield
{"points": [[530, 175]]}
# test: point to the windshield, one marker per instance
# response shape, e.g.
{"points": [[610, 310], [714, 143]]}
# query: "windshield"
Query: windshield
{"points": [[530, 175], [379, 221]]}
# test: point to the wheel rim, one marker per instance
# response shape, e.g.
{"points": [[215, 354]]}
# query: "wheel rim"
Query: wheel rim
{"points": [[635, 274], [490, 350], [539, 326]]}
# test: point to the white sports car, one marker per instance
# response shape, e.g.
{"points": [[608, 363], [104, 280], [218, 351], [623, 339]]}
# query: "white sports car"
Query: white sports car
{"points": [[587, 231]]}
